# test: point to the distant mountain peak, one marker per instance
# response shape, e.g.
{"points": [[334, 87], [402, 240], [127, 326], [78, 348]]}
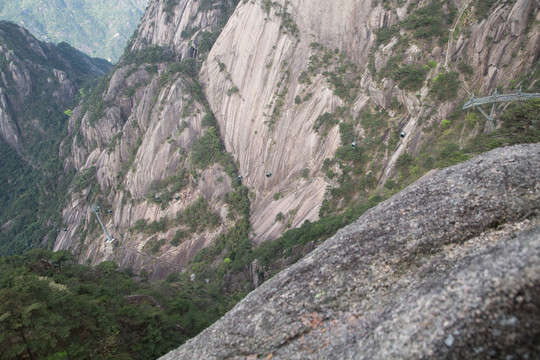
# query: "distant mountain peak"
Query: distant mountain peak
{"points": [[98, 28]]}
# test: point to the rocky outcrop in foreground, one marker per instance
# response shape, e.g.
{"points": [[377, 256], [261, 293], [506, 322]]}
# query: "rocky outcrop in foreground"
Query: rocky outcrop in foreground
{"points": [[448, 268]]}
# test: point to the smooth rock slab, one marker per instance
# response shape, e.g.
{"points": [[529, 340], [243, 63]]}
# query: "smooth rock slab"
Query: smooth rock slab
{"points": [[448, 268]]}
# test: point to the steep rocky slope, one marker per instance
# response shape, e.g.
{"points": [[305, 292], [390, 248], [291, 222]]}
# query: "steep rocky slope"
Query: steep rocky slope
{"points": [[291, 62], [291, 86], [38, 83], [447, 268], [34, 73], [133, 140]]}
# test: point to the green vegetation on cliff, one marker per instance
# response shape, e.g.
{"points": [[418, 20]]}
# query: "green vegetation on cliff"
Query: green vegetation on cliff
{"points": [[63, 310], [34, 184]]}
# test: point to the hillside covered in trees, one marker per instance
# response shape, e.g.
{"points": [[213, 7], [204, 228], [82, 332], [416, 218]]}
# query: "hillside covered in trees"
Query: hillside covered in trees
{"points": [[52, 308], [39, 85]]}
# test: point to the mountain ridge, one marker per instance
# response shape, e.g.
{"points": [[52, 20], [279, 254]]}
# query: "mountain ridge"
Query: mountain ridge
{"points": [[220, 159], [38, 84], [100, 29]]}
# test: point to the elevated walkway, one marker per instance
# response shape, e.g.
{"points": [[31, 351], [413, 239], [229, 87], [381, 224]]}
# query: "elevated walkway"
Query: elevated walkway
{"points": [[495, 98]]}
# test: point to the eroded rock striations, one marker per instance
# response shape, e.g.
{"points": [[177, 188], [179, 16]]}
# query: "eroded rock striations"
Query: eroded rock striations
{"points": [[290, 84], [263, 86], [134, 141], [448, 268]]}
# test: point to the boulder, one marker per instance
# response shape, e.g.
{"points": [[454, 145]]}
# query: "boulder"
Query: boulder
{"points": [[448, 268]]}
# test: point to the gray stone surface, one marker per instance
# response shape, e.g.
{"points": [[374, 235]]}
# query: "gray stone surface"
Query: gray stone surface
{"points": [[448, 268]]}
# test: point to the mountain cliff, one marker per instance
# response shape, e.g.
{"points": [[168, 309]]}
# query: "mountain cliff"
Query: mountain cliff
{"points": [[229, 123], [38, 83], [233, 138], [139, 143], [293, 63], [447, 268], [34, 72]]}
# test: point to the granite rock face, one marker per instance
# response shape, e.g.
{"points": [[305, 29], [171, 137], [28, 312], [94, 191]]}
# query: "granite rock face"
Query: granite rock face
{"points": [[141, 140], [265, 126], [448, 268], [262, 84]]}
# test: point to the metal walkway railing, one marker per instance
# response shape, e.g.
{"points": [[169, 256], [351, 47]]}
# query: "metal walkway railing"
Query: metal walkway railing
{"points": [[495, 98]]}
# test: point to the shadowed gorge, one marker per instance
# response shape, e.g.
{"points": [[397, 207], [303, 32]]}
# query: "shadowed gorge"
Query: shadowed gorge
{"points": [[39, 84]]}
